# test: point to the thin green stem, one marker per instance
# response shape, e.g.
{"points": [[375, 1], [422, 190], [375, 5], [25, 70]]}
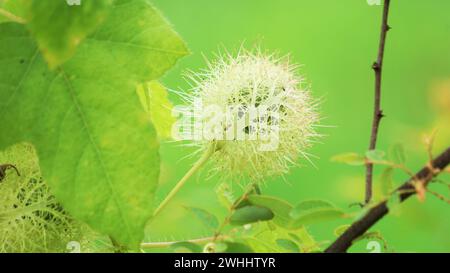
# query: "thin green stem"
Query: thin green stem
{"points": [[251, 187], [11, 16], [167, 244], [401, 167], [205, 157]]}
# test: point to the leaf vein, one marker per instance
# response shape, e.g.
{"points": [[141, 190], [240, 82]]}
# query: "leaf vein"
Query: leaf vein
{"points": [[96, 149]]}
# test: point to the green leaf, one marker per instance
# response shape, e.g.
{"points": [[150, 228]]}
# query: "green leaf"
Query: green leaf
{"points": [[225, 195], [153, 97], [250, 214], [234, 247], [237, 204], [393, 203], [340, 230], [306, 212], [215, 247], [205, 217], [370, 235], [375, 155], [12, 10], [30, 218], [397, 153], [59, 28], [97, 148], [307, 241], [279, 207], [314, 211], [287, 244], [373, 235], [295, 237], [386, 183], [361, 213], [183, 247], [350, 159], [319, 216], [309, 205]]}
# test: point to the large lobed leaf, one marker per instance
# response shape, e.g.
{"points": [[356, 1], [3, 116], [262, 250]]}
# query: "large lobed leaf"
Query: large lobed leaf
{"points": [[11, 10], [59, 27], [97, 149]]}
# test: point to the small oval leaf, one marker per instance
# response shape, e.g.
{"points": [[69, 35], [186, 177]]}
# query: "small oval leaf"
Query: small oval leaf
{"points": [[319, 216], [279, 207], [350, 159], [287, 244], [313, 211], [251, 214], [397, 153], [208, 219], [375, 155], [386, 183], [307, 206], [183, 247], [233, 247]]}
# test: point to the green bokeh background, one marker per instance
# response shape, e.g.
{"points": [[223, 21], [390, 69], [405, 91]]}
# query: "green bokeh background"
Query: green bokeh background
{"points": [[336, 41]]}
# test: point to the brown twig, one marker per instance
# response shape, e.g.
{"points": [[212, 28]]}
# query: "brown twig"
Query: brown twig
{"points": [[358, 228], [378, 113]]}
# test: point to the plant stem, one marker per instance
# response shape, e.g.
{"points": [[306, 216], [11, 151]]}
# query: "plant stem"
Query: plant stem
{"points": [[12, 17], [208, 153], [439, 196], [358, 228], [251, 187], [166, 244], [378, 113]]}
